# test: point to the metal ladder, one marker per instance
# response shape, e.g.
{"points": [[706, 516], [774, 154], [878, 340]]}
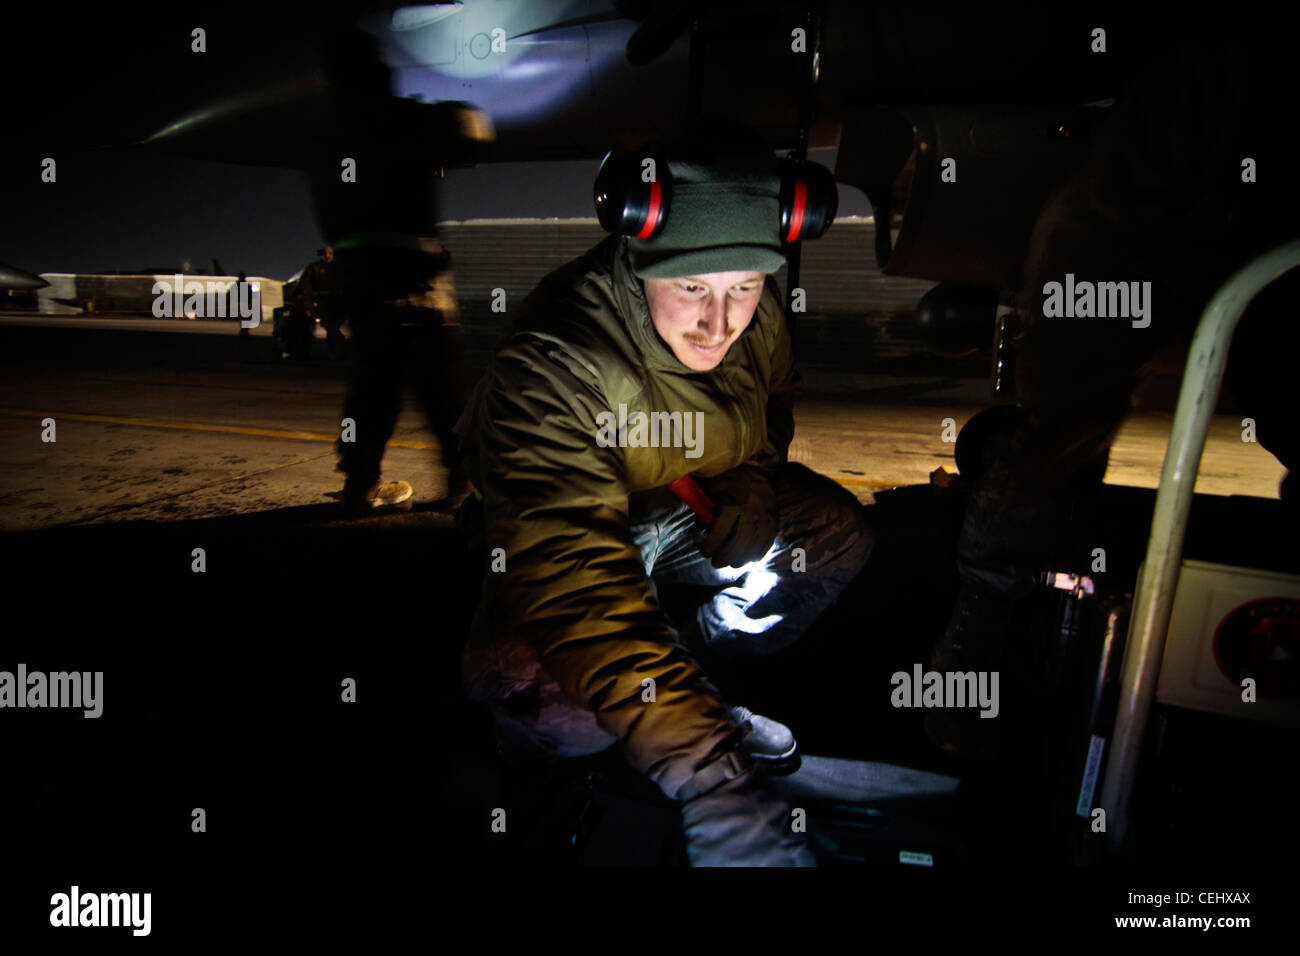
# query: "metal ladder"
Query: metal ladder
{"points": [[1153, 604]]}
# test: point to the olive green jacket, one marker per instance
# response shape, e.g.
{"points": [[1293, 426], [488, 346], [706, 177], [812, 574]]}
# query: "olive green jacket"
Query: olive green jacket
{"points": [[536, 443]]}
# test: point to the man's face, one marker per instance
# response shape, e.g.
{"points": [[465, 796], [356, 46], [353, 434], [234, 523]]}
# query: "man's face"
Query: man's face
{"points": [[700, 317]]}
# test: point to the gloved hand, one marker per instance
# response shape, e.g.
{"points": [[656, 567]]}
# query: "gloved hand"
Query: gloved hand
{"points": [[742, 822], [744, 517]]}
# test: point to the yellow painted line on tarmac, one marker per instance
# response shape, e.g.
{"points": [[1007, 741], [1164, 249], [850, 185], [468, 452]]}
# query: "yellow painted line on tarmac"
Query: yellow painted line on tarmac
{"points": [[866, 483], [200, 427], [314, 436]]}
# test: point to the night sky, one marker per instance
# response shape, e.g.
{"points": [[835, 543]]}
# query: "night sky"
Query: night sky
{"points": [[78, 80]]}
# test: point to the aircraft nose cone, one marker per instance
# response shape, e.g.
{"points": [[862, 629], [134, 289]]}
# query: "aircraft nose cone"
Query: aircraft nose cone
{"points": [[11, 278]]}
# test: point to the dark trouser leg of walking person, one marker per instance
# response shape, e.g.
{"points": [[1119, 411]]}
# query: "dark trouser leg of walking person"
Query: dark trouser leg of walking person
{"points": [[374, 394], [335, 343], [437, 372]]}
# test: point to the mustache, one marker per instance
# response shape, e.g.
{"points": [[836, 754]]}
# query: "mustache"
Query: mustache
{"points": [[695, 340]]}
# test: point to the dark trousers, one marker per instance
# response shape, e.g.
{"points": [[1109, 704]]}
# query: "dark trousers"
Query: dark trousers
{"points": [[398, 341], [331, 320]]}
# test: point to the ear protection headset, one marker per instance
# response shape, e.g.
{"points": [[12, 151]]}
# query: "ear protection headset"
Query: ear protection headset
{"points": [[628, 205]]}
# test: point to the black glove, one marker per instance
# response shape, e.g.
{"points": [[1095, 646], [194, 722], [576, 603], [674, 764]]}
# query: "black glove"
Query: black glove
{"points": [[744, 517], [741, 821]]}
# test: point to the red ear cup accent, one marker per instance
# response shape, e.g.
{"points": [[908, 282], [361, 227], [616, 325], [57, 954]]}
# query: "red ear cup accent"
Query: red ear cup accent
{"points": [[796, 215], [626, 204], [653, 215], [809, 198]]}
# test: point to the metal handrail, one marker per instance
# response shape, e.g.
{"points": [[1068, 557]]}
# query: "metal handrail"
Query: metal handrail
{"points": [[1159, 575]]}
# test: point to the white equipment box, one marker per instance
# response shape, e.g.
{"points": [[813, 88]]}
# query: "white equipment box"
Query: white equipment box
{"points": [[1229, 624]]}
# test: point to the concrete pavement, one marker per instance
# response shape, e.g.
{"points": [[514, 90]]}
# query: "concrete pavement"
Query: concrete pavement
{"points": [[167, 426]]}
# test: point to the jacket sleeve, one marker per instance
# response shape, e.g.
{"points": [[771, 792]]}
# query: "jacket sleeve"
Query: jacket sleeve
{"points": [[782, 385], [574, 585]]}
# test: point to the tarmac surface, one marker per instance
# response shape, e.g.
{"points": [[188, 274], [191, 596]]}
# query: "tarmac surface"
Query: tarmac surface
{"points": [[172, 426]]}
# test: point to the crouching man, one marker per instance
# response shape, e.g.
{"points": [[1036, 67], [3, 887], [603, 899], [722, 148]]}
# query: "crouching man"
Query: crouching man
{"points": [[571, 440]]}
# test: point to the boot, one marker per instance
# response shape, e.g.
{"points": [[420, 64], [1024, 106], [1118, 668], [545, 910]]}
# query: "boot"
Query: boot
{"points": [[770, 743], [361, 499]]}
